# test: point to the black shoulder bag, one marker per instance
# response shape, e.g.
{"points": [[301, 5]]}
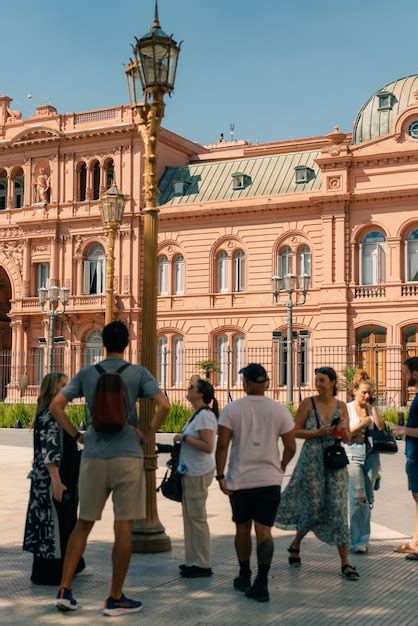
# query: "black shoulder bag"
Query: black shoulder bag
{"points": [[335, 457]]}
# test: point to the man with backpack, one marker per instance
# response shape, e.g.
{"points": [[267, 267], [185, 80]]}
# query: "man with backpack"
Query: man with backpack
{"points": [[112, 459]]}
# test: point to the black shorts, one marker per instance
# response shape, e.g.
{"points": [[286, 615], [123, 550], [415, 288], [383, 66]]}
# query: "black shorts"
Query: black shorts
{"points": [[259, 504]]}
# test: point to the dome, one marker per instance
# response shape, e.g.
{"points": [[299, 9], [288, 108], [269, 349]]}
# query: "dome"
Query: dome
{"points": [[377, 116]]}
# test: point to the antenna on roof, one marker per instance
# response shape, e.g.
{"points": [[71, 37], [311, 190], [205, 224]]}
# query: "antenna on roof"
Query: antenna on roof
{"points": [[231, 130]]}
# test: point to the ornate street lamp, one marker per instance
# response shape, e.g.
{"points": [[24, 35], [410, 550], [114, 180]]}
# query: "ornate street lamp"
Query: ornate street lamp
{"points": [[112, 205], [297, 288], [53, 296], [151, 74]]}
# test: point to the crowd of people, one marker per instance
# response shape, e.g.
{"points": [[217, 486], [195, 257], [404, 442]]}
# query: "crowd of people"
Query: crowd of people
{"points": [[330, 493]]}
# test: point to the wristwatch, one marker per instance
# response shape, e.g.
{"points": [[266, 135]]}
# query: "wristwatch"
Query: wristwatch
{"points": [[220, 477], [184, 438]]}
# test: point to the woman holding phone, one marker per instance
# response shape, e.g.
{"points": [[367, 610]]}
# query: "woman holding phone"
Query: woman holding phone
{"points": [[316, 498], [364, 467]]}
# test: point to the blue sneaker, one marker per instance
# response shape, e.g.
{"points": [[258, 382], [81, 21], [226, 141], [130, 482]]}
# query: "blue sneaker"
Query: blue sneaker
{"points": [[122, 606], [65, 600]]}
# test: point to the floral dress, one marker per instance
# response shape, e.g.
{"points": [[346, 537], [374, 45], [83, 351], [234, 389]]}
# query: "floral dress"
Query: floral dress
{"points": [[49, 523], [316, 498]]}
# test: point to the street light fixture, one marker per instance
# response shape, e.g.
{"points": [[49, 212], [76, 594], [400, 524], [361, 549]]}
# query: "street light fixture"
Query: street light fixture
{"points": [[297, 288], [112, 205], [151, 74], [52, 296]]}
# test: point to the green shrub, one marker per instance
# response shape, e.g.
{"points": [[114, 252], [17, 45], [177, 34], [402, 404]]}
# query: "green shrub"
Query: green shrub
{"points": [[291, 408], [390, 415], [176, 418], [11, 413], [77, 414]]}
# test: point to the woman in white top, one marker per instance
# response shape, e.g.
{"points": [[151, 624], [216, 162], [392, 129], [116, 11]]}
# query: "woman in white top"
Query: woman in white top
{"points": [[364, 466], [197, 462]]}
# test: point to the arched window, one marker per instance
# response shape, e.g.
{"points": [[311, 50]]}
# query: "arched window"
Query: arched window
{"points": [[109, 168], [95, 175], [239, 270], [373, 259], [178, 360], [94, 348], [162, 354], [18, 189], [411, 260], [178, 274], [221, 349], [284, 262], [238, 357], [222, 271], [3, 189], [304, 261], [94, 270], [82, 182], [162, 275]]}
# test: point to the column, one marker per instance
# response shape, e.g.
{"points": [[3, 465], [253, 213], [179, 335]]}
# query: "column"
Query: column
{"points": [[327, 248], [27, 190], [340, 251], [53, 275], [79, 279], [10, 193], [54, 174], [89, 191], [26, 268]]}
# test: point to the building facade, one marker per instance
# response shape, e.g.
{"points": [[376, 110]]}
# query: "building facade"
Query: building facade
{"points": [[340, 207]]}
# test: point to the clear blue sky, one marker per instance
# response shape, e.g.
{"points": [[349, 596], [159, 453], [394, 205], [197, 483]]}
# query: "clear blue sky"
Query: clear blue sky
{"points": [[278, 69]]}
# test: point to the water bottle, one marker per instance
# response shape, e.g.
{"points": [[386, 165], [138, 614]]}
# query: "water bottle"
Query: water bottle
{"points": [[182, 469]]}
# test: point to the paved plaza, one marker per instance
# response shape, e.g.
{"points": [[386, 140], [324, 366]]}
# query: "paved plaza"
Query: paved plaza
{"points": [[314, 594]]}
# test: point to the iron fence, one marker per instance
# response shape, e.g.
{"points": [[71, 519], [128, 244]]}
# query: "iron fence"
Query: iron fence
{"points": [[20, 374]]}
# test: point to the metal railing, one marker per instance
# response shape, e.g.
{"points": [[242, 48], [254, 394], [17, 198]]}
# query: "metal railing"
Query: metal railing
{"points": [[20, 374]]}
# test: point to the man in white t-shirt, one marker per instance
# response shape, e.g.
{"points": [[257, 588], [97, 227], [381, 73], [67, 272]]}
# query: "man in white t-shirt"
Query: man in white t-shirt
{"points": [[253, 425]]}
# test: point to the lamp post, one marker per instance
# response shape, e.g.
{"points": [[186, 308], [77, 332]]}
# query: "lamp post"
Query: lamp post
{"points": [[296, 288], [53, 296], [112, 205], [151, 74]]}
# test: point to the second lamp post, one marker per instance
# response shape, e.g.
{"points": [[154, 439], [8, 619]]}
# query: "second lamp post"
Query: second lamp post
{"points": [[296, 288], [150, 76]]}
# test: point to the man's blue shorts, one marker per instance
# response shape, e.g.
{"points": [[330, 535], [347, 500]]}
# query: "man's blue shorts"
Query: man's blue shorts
{"points": [[412, 473]]}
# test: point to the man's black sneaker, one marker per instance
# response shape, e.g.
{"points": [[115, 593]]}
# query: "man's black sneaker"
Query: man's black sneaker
{"points": [[259, 592], [196, 572], [242, 582]]}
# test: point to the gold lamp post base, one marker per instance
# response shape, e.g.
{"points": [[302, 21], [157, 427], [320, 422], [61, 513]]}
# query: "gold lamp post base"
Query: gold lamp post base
{"points": [[147, 539]]}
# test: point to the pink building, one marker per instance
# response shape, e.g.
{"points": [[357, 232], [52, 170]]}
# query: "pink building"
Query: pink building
{"points": [[340, 207]]}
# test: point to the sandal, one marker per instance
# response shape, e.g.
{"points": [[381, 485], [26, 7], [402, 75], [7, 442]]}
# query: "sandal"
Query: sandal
{"points": [[412, 556], [404, 548], [349, 572], [294, 560]]}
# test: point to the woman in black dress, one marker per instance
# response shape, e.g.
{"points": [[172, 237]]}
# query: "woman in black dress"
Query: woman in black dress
{"points": [[53, 500]]}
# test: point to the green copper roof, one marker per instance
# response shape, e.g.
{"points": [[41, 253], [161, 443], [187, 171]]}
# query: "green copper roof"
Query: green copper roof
{"points": [[372, 123], [212, 182]]}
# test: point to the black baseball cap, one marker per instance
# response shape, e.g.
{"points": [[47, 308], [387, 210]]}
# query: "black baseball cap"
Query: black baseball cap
{"points": [[255, 373]]}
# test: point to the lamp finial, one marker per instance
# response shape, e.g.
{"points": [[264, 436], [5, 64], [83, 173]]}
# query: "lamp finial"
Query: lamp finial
{"points": [[156, 20]]}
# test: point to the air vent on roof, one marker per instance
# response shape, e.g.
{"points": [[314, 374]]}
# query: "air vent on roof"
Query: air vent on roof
{"points": [[240, 181], [179, 187], [303, 174], [386, 100]]}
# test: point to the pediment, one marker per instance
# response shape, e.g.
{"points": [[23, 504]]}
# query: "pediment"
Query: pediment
{"points": [[37, 133]]}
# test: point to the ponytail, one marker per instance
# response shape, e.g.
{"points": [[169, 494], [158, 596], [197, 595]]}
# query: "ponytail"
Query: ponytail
{"points": [[208, 395]]}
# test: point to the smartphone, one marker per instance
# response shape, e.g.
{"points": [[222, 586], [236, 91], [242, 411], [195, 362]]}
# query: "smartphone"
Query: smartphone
{"points": [[335, 421]]}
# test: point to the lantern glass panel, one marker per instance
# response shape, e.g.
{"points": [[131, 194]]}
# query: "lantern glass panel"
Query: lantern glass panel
{"points": [[289, 282], [42, 291]]}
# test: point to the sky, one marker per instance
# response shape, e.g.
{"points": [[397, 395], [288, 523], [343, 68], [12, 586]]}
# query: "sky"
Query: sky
{"points": [[276, 69]]}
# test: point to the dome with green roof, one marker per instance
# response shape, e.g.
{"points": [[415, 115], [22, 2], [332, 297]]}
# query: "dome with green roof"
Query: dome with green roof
{"points": [[377, 116]]}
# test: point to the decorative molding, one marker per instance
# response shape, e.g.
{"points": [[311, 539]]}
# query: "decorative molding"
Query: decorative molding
{"points": [[333, 183], [11, 232]]}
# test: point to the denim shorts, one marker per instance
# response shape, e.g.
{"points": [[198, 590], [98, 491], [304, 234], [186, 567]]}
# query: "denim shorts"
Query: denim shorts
{"points": [[412, 473]]}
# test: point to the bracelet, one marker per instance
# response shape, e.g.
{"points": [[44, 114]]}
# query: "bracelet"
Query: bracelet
{"points": [[77, 436], [220, 477]]}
